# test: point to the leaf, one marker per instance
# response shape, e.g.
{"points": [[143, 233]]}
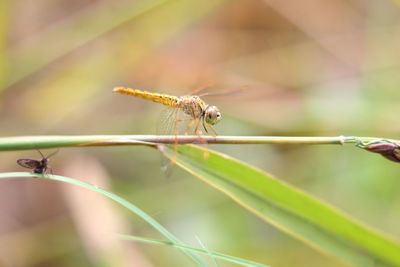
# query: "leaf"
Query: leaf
{"points": [[301, 215]]}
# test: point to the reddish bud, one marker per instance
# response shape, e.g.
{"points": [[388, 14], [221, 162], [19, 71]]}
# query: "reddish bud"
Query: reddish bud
{"points": [[391, 151], [381, 147], [396, 153]]}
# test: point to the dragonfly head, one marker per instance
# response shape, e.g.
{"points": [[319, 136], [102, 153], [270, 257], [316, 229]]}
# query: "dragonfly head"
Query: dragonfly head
{"points": [[212, 115]]}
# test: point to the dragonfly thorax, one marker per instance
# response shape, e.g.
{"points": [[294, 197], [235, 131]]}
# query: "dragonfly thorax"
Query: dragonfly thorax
{"points": [[192, 106]]}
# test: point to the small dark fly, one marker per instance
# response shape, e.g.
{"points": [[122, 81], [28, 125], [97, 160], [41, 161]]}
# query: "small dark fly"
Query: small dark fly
{"points": [[38, 166]]}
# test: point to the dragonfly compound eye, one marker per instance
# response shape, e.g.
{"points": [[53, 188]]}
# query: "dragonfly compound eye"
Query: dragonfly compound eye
{"points": [[212, 115]]}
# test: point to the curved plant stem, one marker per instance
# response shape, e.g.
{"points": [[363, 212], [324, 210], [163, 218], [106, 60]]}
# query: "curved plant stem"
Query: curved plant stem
{"points": [[214, 255]]}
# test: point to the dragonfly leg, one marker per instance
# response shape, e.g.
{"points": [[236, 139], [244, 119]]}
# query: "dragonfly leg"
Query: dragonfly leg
{"points": [[202, 140], [176, 132], [197, 129], [214, 131], [205, 127], [199, 133], [176, 127], [187, 128]]}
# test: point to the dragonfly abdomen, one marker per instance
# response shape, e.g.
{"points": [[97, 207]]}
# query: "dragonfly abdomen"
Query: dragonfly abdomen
{"points": [[164, 99]]}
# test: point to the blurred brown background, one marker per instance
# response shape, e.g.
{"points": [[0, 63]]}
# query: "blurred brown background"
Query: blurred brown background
{"points": [[313, 68]]}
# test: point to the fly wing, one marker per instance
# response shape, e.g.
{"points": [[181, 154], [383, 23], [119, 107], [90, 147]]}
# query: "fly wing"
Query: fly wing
{"points": [[29, 163]]}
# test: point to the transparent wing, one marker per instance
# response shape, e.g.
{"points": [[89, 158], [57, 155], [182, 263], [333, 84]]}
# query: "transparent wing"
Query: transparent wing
{"points": [[202, 88], [226, 92], [165, 124], [29, 163], [173, 121]]}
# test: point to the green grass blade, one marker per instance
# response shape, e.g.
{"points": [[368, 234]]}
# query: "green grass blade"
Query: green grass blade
{"points": [[289, 209], [217, 255], [117, 199]]}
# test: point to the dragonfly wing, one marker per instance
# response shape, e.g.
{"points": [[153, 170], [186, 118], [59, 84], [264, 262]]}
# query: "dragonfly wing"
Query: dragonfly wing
{"points": [[168, 125], [165, 126], [225, 92], [29, 163], [166, 121], [174, 121]]}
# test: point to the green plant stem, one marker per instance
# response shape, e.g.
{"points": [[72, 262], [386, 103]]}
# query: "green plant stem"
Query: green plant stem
{"points": [[41, 142], [214, 255]]}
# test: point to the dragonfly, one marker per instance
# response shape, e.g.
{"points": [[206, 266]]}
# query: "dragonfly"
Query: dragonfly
{"points": [[199, 113], [39, 166]]}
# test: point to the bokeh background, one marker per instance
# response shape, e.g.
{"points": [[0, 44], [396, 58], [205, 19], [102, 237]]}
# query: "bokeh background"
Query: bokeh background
{"points": [[313, 68]]}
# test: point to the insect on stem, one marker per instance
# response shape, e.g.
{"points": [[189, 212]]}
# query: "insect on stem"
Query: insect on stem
{"points": [[38, 166]]}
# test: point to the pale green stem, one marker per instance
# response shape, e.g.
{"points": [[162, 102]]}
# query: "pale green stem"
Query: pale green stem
{"points": [[41, 142]]}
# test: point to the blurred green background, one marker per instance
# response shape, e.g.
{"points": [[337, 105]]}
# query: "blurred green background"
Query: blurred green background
{"points": [[313, 68]]}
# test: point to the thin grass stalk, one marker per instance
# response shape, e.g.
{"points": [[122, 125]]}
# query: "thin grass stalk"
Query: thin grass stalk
{"points": [[389, 148], [52, 141]]}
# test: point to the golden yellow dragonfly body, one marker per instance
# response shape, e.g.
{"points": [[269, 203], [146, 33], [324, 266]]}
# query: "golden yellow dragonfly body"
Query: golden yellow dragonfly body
{"points": [[198, 111]]}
